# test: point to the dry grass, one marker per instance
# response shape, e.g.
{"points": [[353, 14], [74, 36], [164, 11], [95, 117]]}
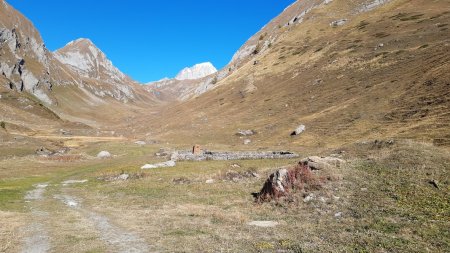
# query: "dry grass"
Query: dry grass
{"points": [[383, 190], [345, 93], [342, 96], [10, 224], [62, 158]]}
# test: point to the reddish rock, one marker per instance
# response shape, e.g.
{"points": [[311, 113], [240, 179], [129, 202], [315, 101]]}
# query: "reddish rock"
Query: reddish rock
{"points": [[197, 150], [285, 181]]}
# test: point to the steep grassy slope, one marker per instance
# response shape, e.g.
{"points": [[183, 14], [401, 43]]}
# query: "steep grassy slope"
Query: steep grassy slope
{"points": [[383, 74]]}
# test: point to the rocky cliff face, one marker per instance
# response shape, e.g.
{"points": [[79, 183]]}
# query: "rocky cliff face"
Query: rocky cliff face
{"points": [[28, 66], [24, 60], [77, 82]]}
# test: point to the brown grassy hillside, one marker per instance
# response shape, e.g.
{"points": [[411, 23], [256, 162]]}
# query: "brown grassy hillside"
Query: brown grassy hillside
{"points": [[383, 74]]}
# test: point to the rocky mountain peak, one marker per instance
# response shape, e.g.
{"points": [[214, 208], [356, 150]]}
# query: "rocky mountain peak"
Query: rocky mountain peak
{"points": [[197, 71], [85, 58]]}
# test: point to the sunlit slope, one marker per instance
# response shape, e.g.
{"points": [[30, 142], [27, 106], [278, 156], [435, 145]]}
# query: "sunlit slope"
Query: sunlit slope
{"points": [[383, 73]]}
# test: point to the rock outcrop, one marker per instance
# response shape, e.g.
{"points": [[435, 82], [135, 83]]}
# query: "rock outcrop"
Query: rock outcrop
{"points": [[24, 59], [285, 181]]}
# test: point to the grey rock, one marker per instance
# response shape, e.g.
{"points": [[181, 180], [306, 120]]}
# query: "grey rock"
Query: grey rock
{"points": [[309, 198], [104, 155], [246, 132], [300, 129], [319, 163], [159, 165], [338, 22], [123, 177], [42, 151], [69, 182], [263, 224]]}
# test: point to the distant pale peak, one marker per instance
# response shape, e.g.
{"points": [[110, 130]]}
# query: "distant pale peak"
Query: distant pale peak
{"points": [[197, 71]]}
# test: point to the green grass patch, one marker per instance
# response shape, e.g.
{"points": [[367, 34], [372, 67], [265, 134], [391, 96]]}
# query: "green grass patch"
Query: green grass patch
{"points": [[12, 192]]}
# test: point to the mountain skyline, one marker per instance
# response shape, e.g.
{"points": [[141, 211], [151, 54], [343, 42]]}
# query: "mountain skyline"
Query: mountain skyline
{"points": [[153, 40]]}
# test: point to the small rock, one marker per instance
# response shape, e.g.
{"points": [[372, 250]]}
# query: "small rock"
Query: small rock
{"points": [[42, 151], [309, 198], [254, 174], [67, 182], [123, 177], [338, 215], [338, 22], [364, 189], [246, 133], [159, 165], [235, 165], [209, 181], [434, 183], [140, 143], [300, 129], [148, 166], [104, 154], [72, 203], [181, 180], [65, 132], [247, 141], [263, 224], [174, 156]]}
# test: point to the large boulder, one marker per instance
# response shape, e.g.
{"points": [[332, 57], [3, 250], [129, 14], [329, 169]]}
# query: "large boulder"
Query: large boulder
{"points": [[104, 155], [286, 180]]}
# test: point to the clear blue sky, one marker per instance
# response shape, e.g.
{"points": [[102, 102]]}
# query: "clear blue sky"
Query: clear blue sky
{"points": [[152, 39]]}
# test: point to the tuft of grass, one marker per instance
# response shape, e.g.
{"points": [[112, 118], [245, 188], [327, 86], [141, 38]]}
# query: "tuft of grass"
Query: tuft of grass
{"points": [[12, 192], [405, 212], [362, 25]]}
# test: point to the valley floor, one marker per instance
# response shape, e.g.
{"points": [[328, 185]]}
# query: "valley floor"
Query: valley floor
{"points": [[388, 197]]}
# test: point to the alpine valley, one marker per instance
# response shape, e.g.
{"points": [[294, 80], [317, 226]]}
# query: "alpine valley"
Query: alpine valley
{"points": [[338, 109]]}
